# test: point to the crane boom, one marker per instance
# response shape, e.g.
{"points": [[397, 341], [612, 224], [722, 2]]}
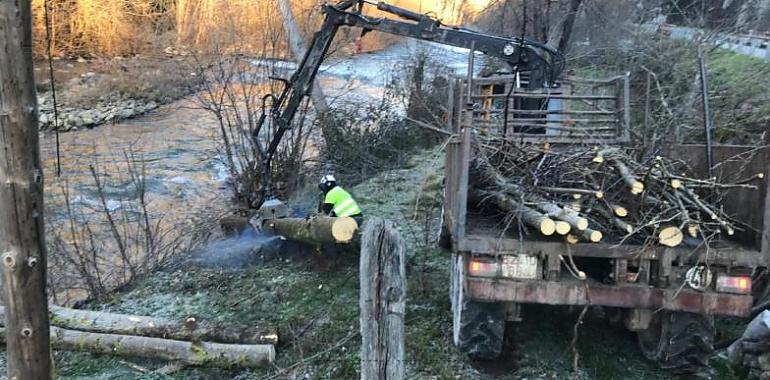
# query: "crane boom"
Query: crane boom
{"points": [[520, 53]]}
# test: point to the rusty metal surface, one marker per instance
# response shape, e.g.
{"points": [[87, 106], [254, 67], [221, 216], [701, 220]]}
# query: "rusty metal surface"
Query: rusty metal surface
{"points": [[628, 296]]}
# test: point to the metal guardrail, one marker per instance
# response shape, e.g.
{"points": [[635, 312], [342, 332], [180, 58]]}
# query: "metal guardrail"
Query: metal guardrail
{"points": [[751, 45]]}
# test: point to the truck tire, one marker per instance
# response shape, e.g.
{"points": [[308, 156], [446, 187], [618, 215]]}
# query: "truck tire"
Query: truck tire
{"points": [[478, 327], [679, 342]]}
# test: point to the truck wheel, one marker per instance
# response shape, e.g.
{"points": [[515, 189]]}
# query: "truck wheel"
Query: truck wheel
{"points": [[478, 327], [678, 341]]}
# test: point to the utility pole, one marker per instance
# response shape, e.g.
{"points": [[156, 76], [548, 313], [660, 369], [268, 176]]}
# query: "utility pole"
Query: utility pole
{"points": [[22, 240]]}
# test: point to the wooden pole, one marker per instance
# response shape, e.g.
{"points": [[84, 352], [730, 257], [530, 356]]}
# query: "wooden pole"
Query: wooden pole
{"points": [[22, 240], [382, 302]]}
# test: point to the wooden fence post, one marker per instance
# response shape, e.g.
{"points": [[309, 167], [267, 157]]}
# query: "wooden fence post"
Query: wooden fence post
{"points": [[383, 301], [22, 244]]}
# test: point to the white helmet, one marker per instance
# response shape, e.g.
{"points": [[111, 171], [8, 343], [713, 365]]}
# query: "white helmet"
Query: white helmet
{"points": [[327, 183], [327, 178]]}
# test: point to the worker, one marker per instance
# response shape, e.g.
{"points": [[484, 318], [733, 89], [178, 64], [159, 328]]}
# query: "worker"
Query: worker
{"points": [[336, 201]]}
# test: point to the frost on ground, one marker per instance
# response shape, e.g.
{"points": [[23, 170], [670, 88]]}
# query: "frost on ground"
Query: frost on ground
{"points": [[312, 300]]}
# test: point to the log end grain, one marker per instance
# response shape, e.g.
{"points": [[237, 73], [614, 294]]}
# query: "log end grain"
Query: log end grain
{"points": [[582, 224], [620, 211], [343, 229], [594, 236], [547, 227], [637, 188], [562, 227], [670, 236]]}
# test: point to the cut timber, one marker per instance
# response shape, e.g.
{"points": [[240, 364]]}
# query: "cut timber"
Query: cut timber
{"points": [[316, 230], [572, 218], [566, 190], [562, 227], [532, 218], [692, 230], [636, 186], [670, 236], [197, 353], [126, 324], [592, 235], [619, 211]]}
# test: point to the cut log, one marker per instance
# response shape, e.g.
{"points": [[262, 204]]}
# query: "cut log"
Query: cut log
{"points": [[636, 186], [562, 227], [572, 218], [670, 236], [619, 210], [192, 353], [126, 324], [591, 235], [532, 218], [692, 230], [565, 190], [316, 230]]}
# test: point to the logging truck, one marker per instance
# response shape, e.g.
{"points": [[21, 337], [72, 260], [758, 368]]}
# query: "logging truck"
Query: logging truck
{"points": [[648, 289]]}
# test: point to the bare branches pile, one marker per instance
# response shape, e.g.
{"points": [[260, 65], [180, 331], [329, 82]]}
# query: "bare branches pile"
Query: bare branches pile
{"points": [[596, 194]]}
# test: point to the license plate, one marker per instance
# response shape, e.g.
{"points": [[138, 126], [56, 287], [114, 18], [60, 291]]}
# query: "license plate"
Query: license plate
{"points": [[520, 266]]}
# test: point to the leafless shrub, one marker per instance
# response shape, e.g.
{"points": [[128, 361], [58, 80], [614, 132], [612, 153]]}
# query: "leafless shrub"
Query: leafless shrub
{"points": [[363, 142], [97, 244]]}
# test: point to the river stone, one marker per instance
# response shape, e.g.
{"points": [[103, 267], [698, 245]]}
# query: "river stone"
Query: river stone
{"points": [[125, 113]]}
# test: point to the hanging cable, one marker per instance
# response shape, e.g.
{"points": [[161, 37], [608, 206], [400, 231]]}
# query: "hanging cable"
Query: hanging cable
{"points": [[53, 87]]}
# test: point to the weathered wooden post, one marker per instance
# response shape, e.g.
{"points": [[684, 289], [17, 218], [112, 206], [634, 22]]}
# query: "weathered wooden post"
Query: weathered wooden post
{"points": [[22, 244], [383, 301]]}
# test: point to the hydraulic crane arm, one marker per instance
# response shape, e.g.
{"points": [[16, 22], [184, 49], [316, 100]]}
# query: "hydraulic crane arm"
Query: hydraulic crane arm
{"points": [[544, 63]]}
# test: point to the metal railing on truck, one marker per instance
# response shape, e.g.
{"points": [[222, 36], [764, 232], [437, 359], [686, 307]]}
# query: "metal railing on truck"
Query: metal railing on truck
{"points": [[574, 110]]}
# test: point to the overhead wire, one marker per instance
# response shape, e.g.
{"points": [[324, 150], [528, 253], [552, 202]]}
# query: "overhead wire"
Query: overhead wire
{"points": [[49, 53]]}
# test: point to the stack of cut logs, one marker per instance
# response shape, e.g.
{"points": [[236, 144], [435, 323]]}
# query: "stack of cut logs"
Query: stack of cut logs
{"points": [[596, 194], [186, 341]]}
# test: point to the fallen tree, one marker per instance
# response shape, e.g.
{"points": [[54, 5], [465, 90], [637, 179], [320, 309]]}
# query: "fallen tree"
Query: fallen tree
{"points": [[315, 230], [126, 324], [191, 353]]}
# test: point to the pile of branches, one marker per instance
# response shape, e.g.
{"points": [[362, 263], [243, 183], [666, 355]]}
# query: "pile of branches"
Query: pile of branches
{"points": [[596, 194]]}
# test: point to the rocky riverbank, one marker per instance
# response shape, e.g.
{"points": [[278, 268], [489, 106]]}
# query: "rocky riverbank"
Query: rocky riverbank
{"points": [[99, 91], [110, 110]]}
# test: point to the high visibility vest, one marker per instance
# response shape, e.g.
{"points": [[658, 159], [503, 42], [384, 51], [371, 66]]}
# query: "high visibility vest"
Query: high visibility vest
{"points": [[342, 201]]}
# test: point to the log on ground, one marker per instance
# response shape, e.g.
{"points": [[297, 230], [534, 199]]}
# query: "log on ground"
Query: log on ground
{"points": [[127, 324], [316, 230], [192, 353]]}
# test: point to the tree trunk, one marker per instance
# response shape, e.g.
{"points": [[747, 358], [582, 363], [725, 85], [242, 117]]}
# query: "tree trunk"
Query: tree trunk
{"points": [[298, 50], [566, 26], [192, 353], [123, 324], [316, 230], [382, 302], [22, 240]]}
